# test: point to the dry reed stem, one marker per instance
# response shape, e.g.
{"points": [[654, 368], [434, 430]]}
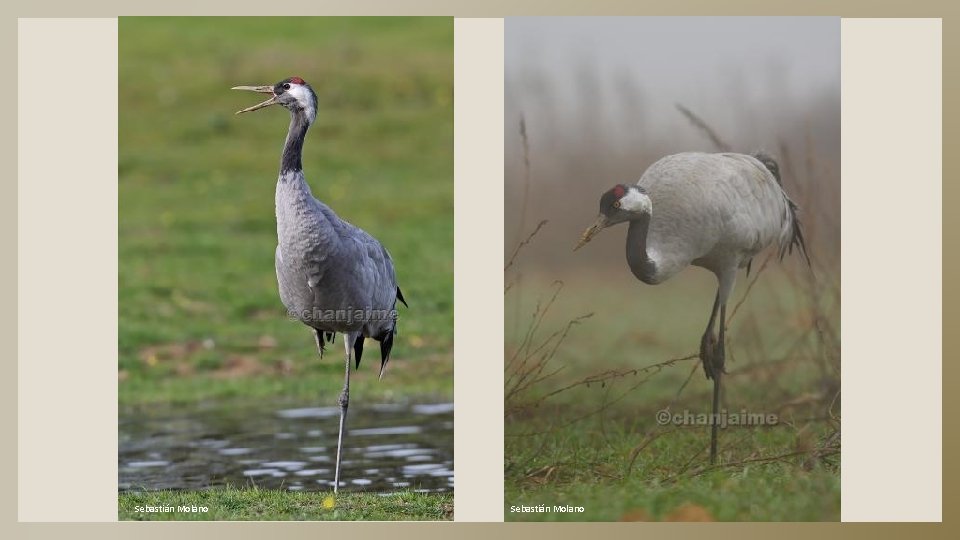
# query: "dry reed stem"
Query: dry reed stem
{"points": [[718, 142], [521, 245]]}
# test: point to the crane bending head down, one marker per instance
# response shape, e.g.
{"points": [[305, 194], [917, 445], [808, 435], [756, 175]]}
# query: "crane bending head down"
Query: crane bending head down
{"points": [[715, 211]]}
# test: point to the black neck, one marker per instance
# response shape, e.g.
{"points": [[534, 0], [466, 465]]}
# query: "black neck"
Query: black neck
{"points": [[293, 148], [637, 258]]}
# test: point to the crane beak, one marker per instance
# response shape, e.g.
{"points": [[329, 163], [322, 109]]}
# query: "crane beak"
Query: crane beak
{"points": [[262, 90], [598, 225]]}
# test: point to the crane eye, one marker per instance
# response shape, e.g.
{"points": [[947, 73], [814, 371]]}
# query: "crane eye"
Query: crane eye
{"points": [[616, 204], [286, 86]]}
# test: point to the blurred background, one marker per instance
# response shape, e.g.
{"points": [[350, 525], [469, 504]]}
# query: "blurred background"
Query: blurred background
{"points": [[217, 386], [592, 353], [598, 95]]}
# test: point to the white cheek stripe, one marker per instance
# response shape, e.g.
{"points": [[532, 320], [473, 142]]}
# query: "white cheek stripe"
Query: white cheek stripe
{"points": [[302, 96], [634, 201]]}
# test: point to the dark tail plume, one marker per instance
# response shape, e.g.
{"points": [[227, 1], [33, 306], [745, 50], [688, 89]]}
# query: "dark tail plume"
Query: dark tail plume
{"points": [[796, 238], [386, 345], [770, 164], [358, 349]]}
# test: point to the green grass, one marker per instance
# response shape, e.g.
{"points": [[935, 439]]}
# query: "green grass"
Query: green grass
{"points": [[199, 313], [591, 467], [253, 504], [599, 445]]}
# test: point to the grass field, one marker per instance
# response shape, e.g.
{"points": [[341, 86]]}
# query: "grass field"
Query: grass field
{"points": [[582, 428], [199, 313], [252, 504], [200, 317]]}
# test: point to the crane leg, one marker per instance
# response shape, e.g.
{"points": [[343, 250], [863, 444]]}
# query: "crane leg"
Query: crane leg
{"points": [[713, 355], [717, 359], [709, 348], [709, 342], [344, 402], [719, 354], [715, 419]]}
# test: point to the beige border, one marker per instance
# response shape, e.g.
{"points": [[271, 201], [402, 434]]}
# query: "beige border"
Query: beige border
{"points": [[488, 8], [67, 255], [916, 8], [478, 269], [891, 278]]}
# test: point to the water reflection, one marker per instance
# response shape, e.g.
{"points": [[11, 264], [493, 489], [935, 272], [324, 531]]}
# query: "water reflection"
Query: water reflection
{"points": [[388, 447]]}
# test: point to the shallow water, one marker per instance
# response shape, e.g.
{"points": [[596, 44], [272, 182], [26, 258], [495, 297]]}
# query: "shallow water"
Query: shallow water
{"points": [[386, 448]]}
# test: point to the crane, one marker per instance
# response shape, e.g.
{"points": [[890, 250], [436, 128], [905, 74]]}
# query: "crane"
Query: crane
{"points": [[332, 276], [715, 211]]}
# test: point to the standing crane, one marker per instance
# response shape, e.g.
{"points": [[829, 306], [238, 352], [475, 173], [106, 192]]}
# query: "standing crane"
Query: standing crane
{"points": [[332, 276], [715, 211]]}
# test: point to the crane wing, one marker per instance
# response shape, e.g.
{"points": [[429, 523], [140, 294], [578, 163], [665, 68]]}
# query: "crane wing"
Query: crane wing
{"points": [[714, 210]]}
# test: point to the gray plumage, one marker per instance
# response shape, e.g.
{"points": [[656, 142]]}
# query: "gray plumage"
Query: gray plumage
{"points": [[332, 276], [328, 270], [716, 211]]}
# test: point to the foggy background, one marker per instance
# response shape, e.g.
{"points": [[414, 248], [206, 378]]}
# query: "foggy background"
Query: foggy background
{"points": [[598, 96]]}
